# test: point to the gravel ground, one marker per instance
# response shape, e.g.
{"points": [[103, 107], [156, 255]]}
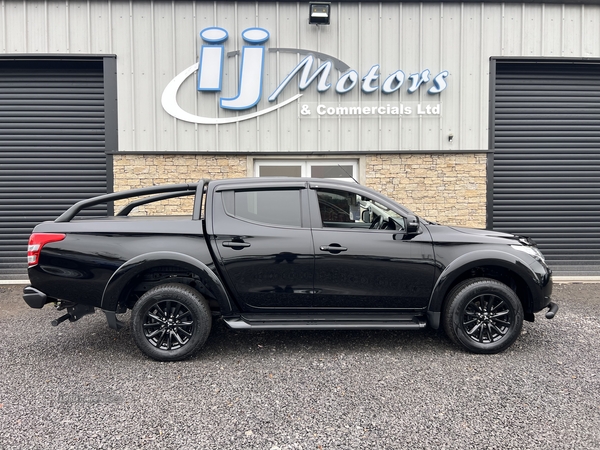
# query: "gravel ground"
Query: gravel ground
{"points": [[82, 385]]}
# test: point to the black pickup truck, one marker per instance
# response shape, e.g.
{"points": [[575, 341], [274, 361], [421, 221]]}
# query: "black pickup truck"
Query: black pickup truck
{"points": [[284, 253]]}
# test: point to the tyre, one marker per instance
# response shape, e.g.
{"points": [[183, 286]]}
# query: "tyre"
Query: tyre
{"points": [[171, 322], [483, 316]]}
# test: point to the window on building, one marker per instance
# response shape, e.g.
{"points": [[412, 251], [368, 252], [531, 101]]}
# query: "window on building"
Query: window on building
{"points": [[318, 168]]}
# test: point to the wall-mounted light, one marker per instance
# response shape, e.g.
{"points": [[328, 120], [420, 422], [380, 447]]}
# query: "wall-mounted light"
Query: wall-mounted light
{"points": [[319, 13], [450, 138]]}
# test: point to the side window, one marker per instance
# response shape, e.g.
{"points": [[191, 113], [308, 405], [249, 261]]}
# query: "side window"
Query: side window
{"points": [[341, 209], [338, 207], [269, 207]]}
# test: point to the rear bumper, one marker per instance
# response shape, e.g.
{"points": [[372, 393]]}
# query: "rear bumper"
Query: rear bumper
{"points": [[34, 298]]}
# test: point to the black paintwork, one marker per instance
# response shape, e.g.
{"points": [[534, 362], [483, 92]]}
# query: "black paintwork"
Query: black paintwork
{"points": [[247, 267]]}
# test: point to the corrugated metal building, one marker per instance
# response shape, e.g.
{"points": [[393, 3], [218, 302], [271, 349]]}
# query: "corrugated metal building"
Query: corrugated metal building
{"points": [[472, 113]]}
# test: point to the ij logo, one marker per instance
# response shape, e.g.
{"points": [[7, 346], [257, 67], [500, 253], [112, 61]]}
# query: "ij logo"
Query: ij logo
{"points": [[209, 69]]}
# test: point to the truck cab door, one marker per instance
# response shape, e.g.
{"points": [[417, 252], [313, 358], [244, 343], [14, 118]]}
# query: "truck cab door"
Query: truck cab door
{"points": [[364, 258], [264, 246]]}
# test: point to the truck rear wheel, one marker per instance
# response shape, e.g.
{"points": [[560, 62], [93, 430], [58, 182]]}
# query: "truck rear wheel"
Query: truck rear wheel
{"points": [[483, 316], [171, 322]]}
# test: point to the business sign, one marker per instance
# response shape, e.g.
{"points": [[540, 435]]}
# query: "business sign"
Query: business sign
{"points": [[209, 79]]}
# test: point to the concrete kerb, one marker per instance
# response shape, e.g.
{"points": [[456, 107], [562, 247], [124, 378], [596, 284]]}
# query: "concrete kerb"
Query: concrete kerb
{"points": [[574, 280]]}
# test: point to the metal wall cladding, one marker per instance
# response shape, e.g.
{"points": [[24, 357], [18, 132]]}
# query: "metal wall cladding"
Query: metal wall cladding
{"points": [[546, 177], [154, 41], [52, 142]]}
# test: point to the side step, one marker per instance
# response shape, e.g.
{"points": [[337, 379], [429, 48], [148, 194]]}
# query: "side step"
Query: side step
{"points": [[325, 322]]}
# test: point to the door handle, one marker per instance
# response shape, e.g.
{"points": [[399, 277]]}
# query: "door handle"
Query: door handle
{"points": [[332, 248], [234, 244]]}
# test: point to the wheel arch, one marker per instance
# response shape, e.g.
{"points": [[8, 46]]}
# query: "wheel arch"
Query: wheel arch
{"points": [[127, 275], [497, 265]]}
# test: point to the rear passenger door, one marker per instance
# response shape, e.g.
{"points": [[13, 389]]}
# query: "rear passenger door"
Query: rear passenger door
{"points": [[264, 242]]}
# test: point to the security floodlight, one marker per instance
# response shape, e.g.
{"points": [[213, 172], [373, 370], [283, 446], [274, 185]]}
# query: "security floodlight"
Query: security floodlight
{"points": [[319, 13]]}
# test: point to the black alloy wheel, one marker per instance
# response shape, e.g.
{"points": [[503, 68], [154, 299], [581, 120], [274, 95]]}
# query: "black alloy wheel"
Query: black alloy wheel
{"points": [[483, 315], [487, 318], [171, 322], [168, 325]]}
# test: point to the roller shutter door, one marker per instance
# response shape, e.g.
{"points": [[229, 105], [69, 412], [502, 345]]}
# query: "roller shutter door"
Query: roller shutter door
{"points": [[52, 148], [546, 169]]}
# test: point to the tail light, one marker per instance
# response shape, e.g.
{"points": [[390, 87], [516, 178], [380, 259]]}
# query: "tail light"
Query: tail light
{"points": [[36, 242]]}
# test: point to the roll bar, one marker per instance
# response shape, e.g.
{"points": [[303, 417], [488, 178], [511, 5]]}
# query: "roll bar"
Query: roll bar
{"points": [[156, 193]]}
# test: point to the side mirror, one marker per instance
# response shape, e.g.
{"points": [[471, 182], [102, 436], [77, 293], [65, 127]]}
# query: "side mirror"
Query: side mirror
{"points": [[412, 229], [366, 216], [412, 224]]}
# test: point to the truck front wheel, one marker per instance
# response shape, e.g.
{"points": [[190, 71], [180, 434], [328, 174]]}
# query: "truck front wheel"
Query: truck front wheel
{"points": [[171, 322], [483, 315]]}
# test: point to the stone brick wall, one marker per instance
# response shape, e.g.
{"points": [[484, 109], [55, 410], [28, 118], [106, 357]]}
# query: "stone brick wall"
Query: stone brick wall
{"points": [[137, 171], [446, 188]]}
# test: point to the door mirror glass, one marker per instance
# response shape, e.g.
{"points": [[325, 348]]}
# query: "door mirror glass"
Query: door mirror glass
{"points": [[366, 216]]}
